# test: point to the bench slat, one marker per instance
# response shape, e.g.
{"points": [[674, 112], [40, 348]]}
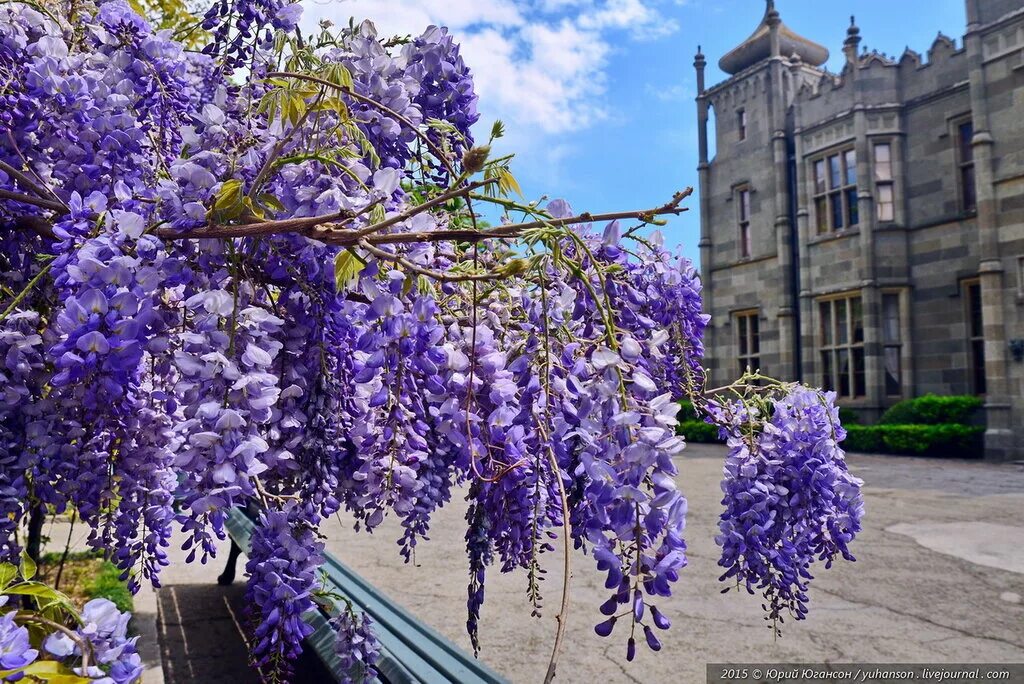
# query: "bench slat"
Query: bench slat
{"points": [[411, 651]]}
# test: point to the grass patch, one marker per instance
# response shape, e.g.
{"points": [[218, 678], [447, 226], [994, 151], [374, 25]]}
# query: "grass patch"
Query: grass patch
{"points": [[86, 575]]}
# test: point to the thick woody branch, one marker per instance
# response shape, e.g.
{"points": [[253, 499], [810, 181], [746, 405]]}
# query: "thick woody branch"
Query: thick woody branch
{"points": [[262, 228], [29, 184], [34, 201], [514, 230], [420, 208]]}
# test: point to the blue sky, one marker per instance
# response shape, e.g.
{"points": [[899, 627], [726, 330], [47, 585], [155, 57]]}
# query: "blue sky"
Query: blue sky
{"points": [[597, 95]]}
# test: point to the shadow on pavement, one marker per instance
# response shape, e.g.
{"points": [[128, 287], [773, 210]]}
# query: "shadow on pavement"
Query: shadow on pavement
{"points": [[201, 637]]}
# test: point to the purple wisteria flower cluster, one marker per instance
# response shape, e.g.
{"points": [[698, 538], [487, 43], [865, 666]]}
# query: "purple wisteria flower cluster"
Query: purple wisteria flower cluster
{"points": [[357, 645], [789, 498], [16, 653], [257, 276], [104, 629]]}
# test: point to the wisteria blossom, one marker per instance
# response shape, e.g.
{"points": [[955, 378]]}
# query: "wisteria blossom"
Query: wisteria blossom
{"points": [[259, 276]]}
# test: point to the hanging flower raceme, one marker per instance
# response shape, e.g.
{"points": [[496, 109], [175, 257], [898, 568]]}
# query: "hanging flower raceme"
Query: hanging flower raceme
{"points": [[789, 498], [278, 293]]}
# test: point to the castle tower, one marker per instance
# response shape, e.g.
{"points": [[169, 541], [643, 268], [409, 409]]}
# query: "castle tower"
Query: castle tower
{"points": [[864, 231]]}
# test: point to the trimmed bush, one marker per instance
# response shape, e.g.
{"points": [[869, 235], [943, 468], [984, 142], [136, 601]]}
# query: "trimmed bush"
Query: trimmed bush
{"points": [[948, 439], [932, 409], [848, 416], [698, 431], [686, 411]]}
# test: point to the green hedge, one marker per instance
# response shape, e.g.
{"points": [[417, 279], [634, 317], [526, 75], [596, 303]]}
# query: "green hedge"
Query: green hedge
{"points": [[848, 416], [932, 410], [686, 411], [698, 431], [949, 439]]}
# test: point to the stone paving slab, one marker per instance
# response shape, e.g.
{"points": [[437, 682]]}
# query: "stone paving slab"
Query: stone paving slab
{"points": [[200, 634]]}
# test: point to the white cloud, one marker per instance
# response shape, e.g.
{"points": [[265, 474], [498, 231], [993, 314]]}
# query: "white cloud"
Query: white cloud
{"points": [[538, 64], [676, 92]]}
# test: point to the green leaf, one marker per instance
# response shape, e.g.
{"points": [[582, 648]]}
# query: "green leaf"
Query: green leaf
{"points": [[28, 566], [347, 266], [39, 591], [228, 204], [252, 208], [508, 182], [52, 672], [497, 130], [377, 213], [7, 574], [271, 202]]}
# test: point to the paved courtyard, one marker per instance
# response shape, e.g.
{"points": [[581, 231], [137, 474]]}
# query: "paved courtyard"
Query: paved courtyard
{"points": [[939, 578]]}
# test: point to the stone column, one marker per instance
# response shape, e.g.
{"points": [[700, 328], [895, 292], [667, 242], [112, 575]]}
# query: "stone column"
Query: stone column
{"points": [[704, 186], [998, 433], [807, 368], [786, 315]]}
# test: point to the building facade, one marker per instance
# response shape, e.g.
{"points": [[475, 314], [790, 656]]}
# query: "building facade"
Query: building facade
{"points": [[864, 231]]}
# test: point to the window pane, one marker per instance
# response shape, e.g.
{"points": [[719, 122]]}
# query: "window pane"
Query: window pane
{"points": [[835, 177], [826, 371], [842, 325], [978, 365], [826, 324], [836, 203], [967, 184], [745, 204], [844, 373], [974, 307], [819, 176], [743, 124], [883, 162], [741, 333], [858, 372], [886, 208], [892, 371], [857, 320], [890, 318], [755, 335], [821, 214], [851, 204], [851, 167], [745, 240], [966, 132]]}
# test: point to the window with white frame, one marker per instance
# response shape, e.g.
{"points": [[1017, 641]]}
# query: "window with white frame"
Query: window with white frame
{"points": [[835, 191], [975, 335], [965, 162], [743, 216], [892, 343], [885, 204], [748, 340], [841, 343]]}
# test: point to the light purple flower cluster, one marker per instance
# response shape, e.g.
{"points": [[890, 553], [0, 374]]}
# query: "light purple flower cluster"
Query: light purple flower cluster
{"points": [[789, 498], [156, 376], [114, 657], [283, 559], [16, 653], [242, 27], [357, 646]]}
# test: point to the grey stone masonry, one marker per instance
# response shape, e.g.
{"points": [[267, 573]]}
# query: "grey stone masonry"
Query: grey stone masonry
{"points": [[864, 231]]}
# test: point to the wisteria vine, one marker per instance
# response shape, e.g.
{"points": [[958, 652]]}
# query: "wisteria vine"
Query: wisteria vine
{"points": [[256, 275]]}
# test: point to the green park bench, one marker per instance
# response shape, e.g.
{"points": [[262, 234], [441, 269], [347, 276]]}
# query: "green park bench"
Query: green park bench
{"points": [[410, 651]]}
